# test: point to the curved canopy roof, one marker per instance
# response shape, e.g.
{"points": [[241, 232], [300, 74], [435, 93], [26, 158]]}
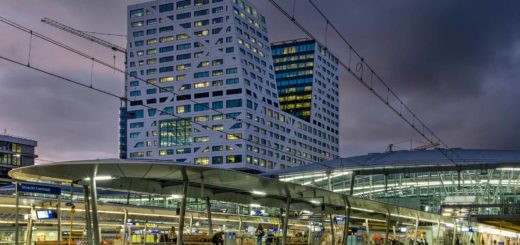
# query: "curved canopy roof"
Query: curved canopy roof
{"points": [[218, 184], [406, 161]]}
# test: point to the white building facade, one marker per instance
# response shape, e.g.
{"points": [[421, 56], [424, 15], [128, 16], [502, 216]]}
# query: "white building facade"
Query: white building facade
{"points": [[202, 90]]}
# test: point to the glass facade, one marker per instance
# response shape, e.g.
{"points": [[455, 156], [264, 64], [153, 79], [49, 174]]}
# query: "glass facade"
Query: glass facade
{"points": [[294, 66], [175, 132]]}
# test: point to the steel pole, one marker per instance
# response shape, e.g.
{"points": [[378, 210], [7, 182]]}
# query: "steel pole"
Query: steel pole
{"points": [[17, 225], [210, 222], [286, 220], [88, 221], [183, 212], [58, 210], [28, 234], [93, 204], [345, 225], [349, 209]]}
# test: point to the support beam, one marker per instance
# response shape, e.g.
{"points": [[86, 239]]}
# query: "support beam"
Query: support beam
{"points": [[183, 210], [286, 219], [93, 204], [88, 221], [210, 222]]}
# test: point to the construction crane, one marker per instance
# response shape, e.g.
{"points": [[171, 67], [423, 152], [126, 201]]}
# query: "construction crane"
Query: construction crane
{"points": [[83, 34]]}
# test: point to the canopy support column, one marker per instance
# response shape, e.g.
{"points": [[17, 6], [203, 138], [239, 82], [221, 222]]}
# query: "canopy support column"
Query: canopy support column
{"points": [[28, 234], [286, 219], [387, 231], [349, 207], [332, 228], [416, 229], [125, 223], [183, 207], [210, 222], [17, 225], [347, 218], [367, 226], [93, 204], [88, 221]]}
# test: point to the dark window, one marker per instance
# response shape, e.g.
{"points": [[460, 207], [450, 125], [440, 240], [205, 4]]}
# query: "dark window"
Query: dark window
{"points": [[165, 7]]}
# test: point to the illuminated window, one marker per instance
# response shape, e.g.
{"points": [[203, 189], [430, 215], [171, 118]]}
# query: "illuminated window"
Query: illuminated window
{"points": [[137, 23], [202, 85], [233, 158], [183, 108], [151, 41], [182, 36], [201, 139], [175, 132], [202, 160], [236, 136], [166, 79], [166, 39]]}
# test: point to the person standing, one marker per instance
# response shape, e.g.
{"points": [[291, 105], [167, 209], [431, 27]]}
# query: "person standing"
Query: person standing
{"points": [[218, 238], [259, 234], [172, 235]]}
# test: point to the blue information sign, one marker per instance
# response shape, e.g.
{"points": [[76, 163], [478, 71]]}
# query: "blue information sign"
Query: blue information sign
{"points": [[39, 189]]}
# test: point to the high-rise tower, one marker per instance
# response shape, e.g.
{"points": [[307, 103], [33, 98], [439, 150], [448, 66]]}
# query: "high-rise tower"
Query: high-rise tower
{"points": [[308, 82], [202, 90]]}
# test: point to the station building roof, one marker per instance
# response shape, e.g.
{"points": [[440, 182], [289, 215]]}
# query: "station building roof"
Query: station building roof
{"points": [[414, 160]]}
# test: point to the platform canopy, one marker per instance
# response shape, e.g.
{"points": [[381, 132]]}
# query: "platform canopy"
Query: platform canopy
{"points": [[167, 178]]}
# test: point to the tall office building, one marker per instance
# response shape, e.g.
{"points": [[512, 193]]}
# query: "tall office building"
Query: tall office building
{"points": [[15, 152], [202, 90], [308, 82]]}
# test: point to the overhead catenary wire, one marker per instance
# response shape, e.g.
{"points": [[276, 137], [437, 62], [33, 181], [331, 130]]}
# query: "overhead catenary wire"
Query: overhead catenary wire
{"points": [[359, 67]]}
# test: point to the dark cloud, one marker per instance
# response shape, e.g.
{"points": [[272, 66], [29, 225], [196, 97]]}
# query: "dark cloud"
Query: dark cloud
{"points": [[454, 62]]}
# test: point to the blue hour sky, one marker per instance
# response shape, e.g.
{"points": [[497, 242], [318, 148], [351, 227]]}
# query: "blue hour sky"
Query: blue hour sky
{"points": [[454, 62]]}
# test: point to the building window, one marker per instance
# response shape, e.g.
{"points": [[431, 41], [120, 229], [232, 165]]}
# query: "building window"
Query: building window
{"points": [[183, 109], [233, 158], [217, 160], [201, 107], [175, 132], [136, 13], [234, 103], [202, 160], [165, 7]]}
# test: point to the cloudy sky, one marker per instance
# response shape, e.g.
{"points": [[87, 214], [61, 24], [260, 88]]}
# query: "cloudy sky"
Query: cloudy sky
{"points": [[454, 62]]}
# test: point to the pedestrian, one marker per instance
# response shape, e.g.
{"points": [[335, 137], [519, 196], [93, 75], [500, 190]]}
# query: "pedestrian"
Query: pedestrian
{"points": [[259, 234], [172, 235], [218, 238]]}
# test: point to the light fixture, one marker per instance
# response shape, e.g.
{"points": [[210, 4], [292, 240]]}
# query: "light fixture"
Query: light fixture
{"points": [[175, 196], [254, 205], [315, 202], [100, 177], [258, 193], [509, 169]]}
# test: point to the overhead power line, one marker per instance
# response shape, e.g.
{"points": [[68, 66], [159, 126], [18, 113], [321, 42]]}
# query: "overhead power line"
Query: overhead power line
{"points": [[366, 75]]}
